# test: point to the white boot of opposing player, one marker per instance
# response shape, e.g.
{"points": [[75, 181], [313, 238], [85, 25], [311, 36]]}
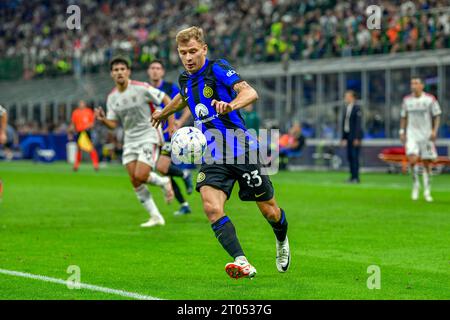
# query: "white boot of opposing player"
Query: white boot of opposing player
{"points": [[164, 183], [149, 204], [154, 221], [283, 255], [240, 268]]}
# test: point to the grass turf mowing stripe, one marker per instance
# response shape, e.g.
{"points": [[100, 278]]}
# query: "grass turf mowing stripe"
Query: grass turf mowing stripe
{"points": [[86, 286]]}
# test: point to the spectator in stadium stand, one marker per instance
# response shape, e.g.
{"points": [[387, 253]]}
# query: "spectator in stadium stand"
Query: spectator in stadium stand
{"points": [[291, 144], [254, 31], [82, 122], [352, 133]]}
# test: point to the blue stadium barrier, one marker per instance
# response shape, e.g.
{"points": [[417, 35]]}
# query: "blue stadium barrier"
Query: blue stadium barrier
{"points": [[31, 144]]}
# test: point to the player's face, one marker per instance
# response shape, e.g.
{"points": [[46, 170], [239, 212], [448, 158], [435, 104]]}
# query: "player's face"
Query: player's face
{"points": [[416, 86], [155, 71], [120, 73], [192, 55]]}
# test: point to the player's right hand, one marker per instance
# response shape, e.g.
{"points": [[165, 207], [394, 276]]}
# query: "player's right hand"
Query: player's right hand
{"points": [[99, 114], [157, 118]]}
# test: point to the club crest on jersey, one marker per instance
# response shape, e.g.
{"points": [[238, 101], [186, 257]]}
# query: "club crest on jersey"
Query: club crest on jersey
{"points": [[201, 110], [201, 176], [207, 92]]}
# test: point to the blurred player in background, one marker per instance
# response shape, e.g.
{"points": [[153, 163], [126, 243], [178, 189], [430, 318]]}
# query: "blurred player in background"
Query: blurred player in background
{"points": [[131, 103], [214, 93], [420, 117], [3, 125], [156, 74], [3, 137], [83, 119]]}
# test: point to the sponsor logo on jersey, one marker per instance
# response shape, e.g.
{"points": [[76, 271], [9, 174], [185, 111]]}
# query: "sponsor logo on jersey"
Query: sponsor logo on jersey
{"points": [[230, 73], [207, 92], [201, 110]]}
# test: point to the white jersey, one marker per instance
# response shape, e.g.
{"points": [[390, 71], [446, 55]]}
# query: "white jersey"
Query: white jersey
{"points": [[133, 108], [2, 110], [419, 112]]}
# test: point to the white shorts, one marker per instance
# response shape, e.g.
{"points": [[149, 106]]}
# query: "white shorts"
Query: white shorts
{"points": [[145, 152], [425, 149]]}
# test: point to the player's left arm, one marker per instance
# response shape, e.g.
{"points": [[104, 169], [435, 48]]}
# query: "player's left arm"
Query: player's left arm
{"points": [[246, 95], [358, 129], [434, 131], [436, 114]]}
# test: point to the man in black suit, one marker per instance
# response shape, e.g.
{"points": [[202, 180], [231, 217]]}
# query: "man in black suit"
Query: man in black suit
{"points": [[352, 133]]}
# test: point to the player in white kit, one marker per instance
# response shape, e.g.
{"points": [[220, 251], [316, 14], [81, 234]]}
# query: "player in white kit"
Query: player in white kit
{"points": [[420, 117], [131, 103]]}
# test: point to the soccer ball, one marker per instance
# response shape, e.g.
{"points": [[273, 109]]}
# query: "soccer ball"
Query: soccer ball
{"points": [[188, 145]]}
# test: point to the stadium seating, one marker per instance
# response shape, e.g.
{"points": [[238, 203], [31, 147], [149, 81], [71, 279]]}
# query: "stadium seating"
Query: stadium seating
{"points": [[244, 31]]}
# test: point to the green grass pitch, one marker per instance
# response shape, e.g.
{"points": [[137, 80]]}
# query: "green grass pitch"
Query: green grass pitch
{"points": [[51, 218]]}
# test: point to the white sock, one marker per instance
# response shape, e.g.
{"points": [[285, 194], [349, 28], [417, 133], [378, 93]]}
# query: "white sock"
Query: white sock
{"points": [[241, 258], [147, 201], [157, 180], [426, 180], [185, 204], [415, 176]]}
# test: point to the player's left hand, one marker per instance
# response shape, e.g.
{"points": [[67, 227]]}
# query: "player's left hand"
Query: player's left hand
{"points": [[356, 143], [222, 107], [433, 136]]}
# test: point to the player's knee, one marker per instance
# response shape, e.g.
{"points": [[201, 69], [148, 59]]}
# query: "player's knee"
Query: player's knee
{"points": [[212, 210], [140, 177], [270, 211]]}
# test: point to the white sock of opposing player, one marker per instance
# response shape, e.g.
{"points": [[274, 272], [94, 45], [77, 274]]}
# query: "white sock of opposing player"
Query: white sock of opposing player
{"points": [[147, 201], [415, 176], [426, 180], [157, 180]]}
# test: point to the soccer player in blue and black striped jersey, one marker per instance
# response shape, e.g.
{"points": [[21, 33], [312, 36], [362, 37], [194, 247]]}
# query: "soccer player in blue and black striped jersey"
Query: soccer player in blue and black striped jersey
{"points": [[156, 72], [214, 93]]}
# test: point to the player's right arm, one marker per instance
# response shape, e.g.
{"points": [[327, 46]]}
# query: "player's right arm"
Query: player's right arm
{"points": [[107, 121], [177, 103], [184, 117], [403, 122]]}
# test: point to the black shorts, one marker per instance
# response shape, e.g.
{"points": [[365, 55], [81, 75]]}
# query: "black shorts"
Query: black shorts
{"points": [[253, 186]]}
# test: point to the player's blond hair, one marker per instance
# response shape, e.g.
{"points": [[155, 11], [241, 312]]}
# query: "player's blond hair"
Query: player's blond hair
{"points": [[195, 33]]}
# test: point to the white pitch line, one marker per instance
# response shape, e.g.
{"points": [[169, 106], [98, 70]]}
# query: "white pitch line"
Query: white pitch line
{"points": [[80, 285]]}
